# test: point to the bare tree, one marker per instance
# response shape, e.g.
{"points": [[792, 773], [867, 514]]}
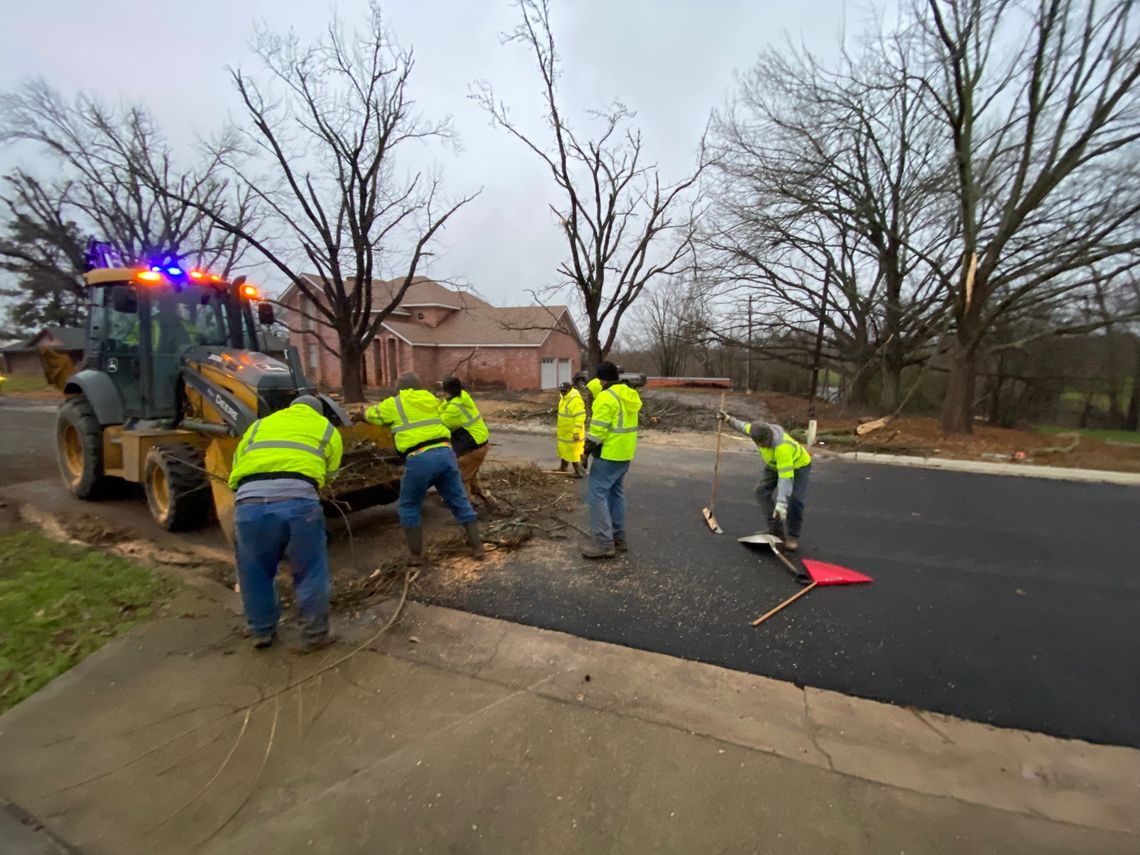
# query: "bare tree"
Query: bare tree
{"points": [[622, 224], [670, 321], [1044, 145], [826, 211], [117, 179], [326, 131]]}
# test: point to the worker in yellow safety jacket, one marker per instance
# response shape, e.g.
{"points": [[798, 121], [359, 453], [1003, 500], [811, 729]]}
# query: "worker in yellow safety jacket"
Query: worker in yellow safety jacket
{"points": [[783, 486], [470, 438], [612, 439], [571, 435], [280, 463], [424, 442]]}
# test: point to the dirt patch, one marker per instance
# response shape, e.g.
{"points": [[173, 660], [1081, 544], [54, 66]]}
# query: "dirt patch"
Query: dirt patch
{"points": [[528, 509], [923, 437]]}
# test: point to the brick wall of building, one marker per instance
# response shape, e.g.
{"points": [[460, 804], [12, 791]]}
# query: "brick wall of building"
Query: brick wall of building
{"points": [[389, 356]]}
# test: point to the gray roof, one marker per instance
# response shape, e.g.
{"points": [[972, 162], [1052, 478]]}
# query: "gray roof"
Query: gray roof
{"points": [[63, 338]]}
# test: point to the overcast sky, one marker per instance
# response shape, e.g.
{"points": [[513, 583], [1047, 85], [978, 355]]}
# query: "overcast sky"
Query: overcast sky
{"points": [[669, 60]]}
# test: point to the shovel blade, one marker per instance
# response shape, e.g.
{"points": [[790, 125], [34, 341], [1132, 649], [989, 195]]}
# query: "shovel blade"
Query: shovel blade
{"points": [[761, 539]]}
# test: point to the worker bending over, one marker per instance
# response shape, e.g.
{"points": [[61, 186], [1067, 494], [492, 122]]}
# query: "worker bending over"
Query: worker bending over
{"points": [[571, 436], [787, 470], [424, 442], [469, 436], [612, 438], [279, 465]]}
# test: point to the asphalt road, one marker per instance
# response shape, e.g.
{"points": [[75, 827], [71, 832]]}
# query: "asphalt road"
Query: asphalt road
{"points": [[1013, 601], [27, 440]]}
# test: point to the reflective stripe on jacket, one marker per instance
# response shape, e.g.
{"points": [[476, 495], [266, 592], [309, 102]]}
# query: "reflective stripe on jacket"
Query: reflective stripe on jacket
{"points": [[571, 415], [613, 422], [460, 413], [295, 440], [413, 416], [784, 457]]}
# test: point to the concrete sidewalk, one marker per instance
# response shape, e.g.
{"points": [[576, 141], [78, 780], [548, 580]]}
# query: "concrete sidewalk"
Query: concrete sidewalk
{"points": [[461, 733]]}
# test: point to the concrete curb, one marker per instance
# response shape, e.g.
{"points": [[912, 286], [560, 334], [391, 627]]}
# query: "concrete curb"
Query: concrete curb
{"points": [[979, 467]]}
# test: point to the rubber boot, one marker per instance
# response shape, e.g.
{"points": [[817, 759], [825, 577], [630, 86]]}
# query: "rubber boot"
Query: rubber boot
{"points": [[577, 470], [415, 538], [562, 466], [475, 541]]}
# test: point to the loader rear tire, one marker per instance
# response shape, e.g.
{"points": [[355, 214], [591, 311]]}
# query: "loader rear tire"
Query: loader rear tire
{"points": [[79, 448], [177, 487]]}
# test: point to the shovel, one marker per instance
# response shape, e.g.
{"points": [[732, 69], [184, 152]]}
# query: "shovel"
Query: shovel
{"points": [[707, 513], [772, 541]]}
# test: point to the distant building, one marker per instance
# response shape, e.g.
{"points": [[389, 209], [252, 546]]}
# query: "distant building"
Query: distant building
{"points": [[22, 357], [436, 331]]}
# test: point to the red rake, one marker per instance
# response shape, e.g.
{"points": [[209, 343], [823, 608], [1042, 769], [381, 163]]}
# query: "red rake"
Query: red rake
{"points": [[821, 574]]}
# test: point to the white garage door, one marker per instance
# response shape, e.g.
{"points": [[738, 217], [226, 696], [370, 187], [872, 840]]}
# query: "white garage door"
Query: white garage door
{"points": [[549, 374], [565, 371]]}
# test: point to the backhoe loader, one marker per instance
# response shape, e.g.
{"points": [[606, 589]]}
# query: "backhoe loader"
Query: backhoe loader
{"points": [[172, 376]]}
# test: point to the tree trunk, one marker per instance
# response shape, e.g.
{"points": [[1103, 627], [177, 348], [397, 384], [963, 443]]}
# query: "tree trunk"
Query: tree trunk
{"points": [[857, 392], [351, 358], [1132, 420], [958, 406], [891, 395]]}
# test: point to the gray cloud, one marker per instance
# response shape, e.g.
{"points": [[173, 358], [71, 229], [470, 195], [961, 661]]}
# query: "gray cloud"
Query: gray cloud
{"points": [[669, 60]]}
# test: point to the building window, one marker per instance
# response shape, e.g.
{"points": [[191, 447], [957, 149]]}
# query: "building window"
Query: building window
{"points": [[314, 362]]}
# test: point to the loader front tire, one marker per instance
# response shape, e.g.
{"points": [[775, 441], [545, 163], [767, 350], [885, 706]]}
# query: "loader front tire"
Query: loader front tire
{"points": [[79, 448], [177, 487]]}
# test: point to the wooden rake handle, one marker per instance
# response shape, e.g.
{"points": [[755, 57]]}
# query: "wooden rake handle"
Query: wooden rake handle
{"points": [[783, 605], [716, 462]]}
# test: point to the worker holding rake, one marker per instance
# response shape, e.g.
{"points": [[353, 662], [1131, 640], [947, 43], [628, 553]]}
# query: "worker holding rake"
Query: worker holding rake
{"points": [[784, 484]]}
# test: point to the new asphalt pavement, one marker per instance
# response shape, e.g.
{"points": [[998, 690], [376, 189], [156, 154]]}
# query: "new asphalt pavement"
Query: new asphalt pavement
{"points": [[1014, 601], [1008, 600]]}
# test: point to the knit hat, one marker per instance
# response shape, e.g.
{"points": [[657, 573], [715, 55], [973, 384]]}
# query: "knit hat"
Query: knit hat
{"points": [[452, 386], [761, 433], [408, 380], [607, 372], [309, 401]]}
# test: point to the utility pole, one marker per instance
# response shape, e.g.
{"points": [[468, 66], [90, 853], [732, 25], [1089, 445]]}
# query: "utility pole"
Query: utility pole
{"points": [[748, 368], [819, 341]]}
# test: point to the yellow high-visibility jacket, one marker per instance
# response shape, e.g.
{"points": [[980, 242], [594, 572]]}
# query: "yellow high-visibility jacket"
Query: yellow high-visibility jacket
{"points": [[613, 422], [461, 416], [571, 426], [296, 440], [784, 457], [413, 416]]}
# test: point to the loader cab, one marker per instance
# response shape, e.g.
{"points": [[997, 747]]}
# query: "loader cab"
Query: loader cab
{"points": [[142, 323]]}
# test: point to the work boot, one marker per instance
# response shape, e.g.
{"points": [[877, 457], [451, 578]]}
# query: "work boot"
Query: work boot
{"points": [[597, 549], [475, 541], [577, 470], [313, 643], [414, 535], [263, 640], [791, 544], [620, 544], [562, 466]]}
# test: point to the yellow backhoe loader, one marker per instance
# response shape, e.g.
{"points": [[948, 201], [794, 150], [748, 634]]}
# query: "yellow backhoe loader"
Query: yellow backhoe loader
{"points": [[172, 376]]}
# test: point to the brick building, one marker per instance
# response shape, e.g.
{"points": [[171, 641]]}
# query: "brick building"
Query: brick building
{"points": [[436, 331]]}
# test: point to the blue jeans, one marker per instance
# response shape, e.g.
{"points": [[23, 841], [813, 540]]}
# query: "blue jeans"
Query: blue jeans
{"points": [[266, 532], [437, 468], [766, 496], [606, 494]]}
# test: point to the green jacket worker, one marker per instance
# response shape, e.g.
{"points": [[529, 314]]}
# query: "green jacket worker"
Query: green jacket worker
{"points": [[783, 487], [279, 466], [424, 442], [612, 439]]}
